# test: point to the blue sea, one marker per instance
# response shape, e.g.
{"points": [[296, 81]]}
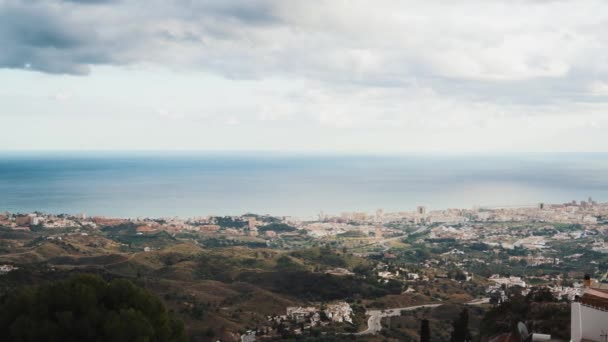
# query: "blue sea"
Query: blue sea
{"points": [[161, 184]]}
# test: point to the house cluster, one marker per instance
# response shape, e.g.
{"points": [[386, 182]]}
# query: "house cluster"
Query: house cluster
{"points": [[536, 260], [508, 281], [559, 292], [568, 292], [245, 225], [386, 273], [26, 221], [500, 284], [303, 318], [4, 269], [449, 232], [599, 246]]}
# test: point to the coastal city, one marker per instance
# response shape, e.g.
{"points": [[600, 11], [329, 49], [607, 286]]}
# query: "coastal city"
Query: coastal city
{"points": [[303, 171], [423, 259]]}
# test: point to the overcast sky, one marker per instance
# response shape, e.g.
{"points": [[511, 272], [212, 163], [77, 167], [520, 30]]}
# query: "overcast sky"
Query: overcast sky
{"points": [[335, 75]]}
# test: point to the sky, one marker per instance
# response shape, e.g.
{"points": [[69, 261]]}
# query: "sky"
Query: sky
{"points": [[354, 76]]}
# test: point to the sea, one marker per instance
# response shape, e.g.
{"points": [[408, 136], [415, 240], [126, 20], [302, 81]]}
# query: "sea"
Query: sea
{"points": [[189, 184]]}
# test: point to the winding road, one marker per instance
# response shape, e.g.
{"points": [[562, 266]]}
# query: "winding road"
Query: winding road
{"points": [[374, 323]]}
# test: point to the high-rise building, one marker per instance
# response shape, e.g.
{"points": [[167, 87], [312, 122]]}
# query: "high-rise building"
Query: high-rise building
{"points": [[378, 232], [322, 216], [379, 214], [421, 210]]}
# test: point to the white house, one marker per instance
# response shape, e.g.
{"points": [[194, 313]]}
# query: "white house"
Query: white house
{"points": [[589, 316]]}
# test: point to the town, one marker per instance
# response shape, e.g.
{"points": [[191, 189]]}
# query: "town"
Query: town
{"points": [[481, 255]]}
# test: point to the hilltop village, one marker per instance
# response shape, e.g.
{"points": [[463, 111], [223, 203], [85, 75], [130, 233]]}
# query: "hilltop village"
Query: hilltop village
{"points": [[255, 277]]}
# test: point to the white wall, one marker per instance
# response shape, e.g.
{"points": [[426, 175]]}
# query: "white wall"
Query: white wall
{"points": [[575, 323], [587, 323]]}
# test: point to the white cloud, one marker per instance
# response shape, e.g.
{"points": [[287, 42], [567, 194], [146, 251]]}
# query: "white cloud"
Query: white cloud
{"points": [[598, 88], [166, 114], [232, 121], [63, 96], [410, 74]]}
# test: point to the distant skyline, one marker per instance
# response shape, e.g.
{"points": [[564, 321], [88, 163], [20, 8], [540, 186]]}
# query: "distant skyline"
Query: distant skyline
{"points": [[308, 76]]}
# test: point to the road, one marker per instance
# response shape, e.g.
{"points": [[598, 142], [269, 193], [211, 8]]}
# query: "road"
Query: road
{"points": [[374, 323]]}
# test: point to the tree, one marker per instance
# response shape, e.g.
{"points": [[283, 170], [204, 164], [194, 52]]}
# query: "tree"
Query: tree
{"points": [[87, 308], [425, 331], [540, 294], [460, 332]]}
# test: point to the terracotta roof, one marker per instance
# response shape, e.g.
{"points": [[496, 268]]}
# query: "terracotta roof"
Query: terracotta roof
{"points": [[596, 298]]}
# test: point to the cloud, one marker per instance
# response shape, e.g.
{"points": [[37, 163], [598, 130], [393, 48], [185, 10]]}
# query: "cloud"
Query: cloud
{"points": [[165, 113], [257, 12], [598, 88], [232, 121], [392, 62], [386, 43], [63, 96], [91, 2], [39, 38]]}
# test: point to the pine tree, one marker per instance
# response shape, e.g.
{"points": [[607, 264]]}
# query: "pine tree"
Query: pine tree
{"points": [[460, 332], [425, 331]]}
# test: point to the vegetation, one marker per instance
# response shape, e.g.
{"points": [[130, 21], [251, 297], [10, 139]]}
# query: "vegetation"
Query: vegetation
{"points": [[87, 308], [277, 227], [425, 331], [230, 222], [460, 328], [221, 284], [319, 287], [539, 310], [437, 322]]}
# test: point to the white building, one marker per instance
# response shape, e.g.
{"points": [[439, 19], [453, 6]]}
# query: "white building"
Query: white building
{"points": [[249, 336], [511, 281], [589, 317]]}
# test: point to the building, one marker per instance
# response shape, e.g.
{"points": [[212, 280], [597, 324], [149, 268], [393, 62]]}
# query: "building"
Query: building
{"points": [[301, 314], [421, 210], [7, 268], [36, 220], [209, 228], [589, 316], [379, 215], [248, 336], [378, 232], [508, 282], [23, 220], [339, 312], [252, 223]]}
